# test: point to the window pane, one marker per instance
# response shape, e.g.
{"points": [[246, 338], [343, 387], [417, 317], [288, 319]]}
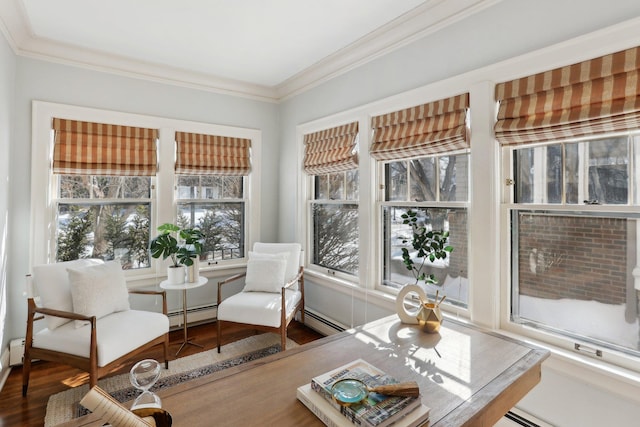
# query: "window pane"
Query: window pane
{"points": [[608, 173], [454, 178], [74, 186], [222, 224], [107, 231], [574, 175], [188, 187], [396, 177], [232, 187], [422, 175], [104, 187], [539, 174], [573, 274], [336, 186], [352, 182], [451, 273], [321, 183], [335, 237]]}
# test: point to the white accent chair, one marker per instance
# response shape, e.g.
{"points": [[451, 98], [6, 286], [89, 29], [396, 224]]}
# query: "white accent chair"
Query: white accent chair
{"points": [[90, 325], [273, 291]]}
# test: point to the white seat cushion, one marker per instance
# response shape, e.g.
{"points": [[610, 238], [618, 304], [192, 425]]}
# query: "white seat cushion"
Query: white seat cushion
{"points": [[117, 334], [257, 308]]}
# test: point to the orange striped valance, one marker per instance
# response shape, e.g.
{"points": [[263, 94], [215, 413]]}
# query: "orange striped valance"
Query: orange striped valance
{"points": [[200, 154], [331, 150], [102, 149], [433, 128], [591, 97]]}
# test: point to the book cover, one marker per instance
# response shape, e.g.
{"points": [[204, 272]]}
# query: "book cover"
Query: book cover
{"points": [[376, 410], [332, 418]]}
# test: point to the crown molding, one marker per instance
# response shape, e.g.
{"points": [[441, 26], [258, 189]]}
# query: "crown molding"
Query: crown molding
{"points": [[431, 16]]}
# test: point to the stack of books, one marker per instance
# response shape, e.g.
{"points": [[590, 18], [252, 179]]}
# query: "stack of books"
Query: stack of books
{"points": [[376, 410]]}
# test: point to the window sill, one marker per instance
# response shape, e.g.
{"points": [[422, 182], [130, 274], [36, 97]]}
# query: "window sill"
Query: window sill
{"points": [[611, 378]]}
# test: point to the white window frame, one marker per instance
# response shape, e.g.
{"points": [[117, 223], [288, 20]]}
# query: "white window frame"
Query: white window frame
{"points": [[508, 205], [162, 196]]}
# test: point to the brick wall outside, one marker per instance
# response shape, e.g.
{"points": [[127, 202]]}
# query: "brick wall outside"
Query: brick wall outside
{"points": [[573, 257]]}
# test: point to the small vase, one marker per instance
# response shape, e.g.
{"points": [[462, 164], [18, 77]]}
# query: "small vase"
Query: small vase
{"points": [[175, 275], [429, 318], [193, 271]]}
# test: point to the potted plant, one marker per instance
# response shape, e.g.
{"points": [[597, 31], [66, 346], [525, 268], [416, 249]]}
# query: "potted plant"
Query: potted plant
{"points": [[189, 252], [165, 245], [430, 245]]}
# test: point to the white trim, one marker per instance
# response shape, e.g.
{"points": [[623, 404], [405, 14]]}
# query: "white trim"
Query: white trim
{"points": [[5, 369], [41, 213]]}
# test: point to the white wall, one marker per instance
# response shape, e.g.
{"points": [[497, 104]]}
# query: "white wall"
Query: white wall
{"points": [[7, 76], [45, 81], [565, 397]]}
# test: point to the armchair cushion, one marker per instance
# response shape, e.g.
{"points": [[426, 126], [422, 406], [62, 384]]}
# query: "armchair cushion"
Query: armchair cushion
{"points": [[98, 290], [293, 255], [265, 272], [257, 308], [117, 334], [52, 285]]}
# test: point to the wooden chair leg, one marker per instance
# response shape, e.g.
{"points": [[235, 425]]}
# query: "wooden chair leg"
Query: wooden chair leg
{"points": [[166, 351], [218, 334], [26, 372], [283, 338]]}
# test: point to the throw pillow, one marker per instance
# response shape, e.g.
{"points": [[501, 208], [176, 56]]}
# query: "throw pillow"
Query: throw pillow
{"points": [[52, 284], [265, 272], [98, 290]]}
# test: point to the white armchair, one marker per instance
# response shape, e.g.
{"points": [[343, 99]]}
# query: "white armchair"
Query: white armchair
{"points": [[90, 324], [273, 291]]}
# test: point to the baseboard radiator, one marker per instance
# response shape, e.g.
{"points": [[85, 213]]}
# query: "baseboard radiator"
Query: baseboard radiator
{"points": [[195, 315], [321, 323]]}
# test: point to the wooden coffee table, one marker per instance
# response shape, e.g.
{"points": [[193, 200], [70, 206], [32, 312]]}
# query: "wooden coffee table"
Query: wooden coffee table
{"points": [[467, 376]]}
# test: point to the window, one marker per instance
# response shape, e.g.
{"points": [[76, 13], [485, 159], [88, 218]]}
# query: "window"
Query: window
{"points": [[437, 189], [575, 240], [334, 212], [112, 210], [103, 217], [210, 171], [331, 161], [423, 155], [215, 205], [570, 142], [103, 191]]}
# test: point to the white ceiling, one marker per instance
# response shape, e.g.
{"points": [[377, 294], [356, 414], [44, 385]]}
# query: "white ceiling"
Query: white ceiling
{"points": [[268, 49]]}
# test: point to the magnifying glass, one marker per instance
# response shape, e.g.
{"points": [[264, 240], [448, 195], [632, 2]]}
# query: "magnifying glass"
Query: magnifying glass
{"points": [[350, 391]]}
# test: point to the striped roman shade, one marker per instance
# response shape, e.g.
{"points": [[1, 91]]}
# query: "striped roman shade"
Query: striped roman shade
{"points": [[85, 148], [433, 128], [591, 97], [200, 154], [331, 150]]}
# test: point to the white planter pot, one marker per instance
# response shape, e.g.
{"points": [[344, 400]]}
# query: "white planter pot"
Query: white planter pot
{"points": [[175, 275]]}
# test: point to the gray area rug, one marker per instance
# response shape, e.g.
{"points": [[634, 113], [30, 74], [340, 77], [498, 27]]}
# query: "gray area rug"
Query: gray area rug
{"points": [[65, 405]]}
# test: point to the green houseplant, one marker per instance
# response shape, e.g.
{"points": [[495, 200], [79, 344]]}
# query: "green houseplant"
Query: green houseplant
{"points": [[183, 246], [429, 244], [165, 245]]}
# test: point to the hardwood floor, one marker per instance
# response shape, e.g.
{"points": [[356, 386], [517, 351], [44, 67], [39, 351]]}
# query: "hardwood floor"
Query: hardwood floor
{"points": [[48, 378]]}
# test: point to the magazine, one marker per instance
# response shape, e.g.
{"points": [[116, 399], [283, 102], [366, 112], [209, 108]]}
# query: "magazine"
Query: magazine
{"points": [[376, 410], [332, 418]]}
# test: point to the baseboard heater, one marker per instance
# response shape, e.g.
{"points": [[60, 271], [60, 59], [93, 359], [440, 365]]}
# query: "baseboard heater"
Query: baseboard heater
{"points": [[520, 420], [322, 324], [197, 314]]}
